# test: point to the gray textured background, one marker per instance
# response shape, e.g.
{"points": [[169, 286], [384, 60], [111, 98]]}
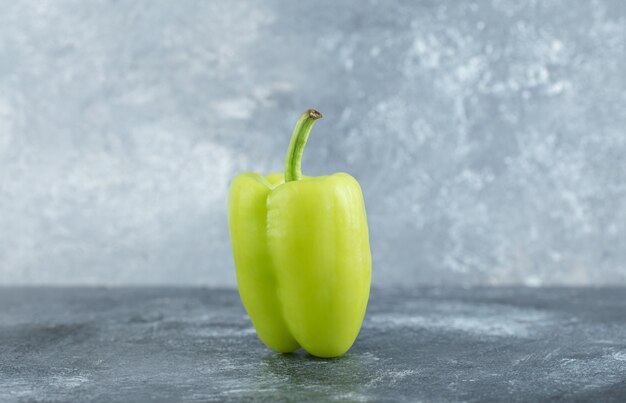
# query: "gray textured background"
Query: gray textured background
{"points": [[489, 137]]}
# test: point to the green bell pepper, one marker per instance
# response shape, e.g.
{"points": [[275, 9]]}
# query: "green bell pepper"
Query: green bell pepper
{"points": [[302, 254]]}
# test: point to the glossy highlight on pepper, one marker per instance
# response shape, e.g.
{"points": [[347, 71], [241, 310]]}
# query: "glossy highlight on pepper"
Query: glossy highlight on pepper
{"points": [[302, 255]]}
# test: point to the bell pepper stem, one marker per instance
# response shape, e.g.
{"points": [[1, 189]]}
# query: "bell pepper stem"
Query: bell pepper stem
{"points": [[293, 160]]}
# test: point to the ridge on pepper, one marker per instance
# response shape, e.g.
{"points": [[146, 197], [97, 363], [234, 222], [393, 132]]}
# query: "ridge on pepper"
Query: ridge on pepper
{"points": [[302, 254]]}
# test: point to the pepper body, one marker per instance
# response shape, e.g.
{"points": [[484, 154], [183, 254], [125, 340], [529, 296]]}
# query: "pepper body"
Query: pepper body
{"points": [[302, 257]]}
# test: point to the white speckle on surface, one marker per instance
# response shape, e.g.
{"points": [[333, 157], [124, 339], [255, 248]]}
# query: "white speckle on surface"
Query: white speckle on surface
{"points": [[479, 322], [67, 382], [620, 355]]}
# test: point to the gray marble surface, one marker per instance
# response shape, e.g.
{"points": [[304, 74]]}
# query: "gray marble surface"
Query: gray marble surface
{"points": [[428, 344], [488, 136]]}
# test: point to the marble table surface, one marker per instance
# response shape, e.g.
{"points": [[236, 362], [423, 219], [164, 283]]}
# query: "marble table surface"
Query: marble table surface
{"points": [[425, 344]]}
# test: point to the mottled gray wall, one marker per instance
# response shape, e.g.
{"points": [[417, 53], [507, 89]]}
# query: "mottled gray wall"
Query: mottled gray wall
{"points": [[489, 137]]}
